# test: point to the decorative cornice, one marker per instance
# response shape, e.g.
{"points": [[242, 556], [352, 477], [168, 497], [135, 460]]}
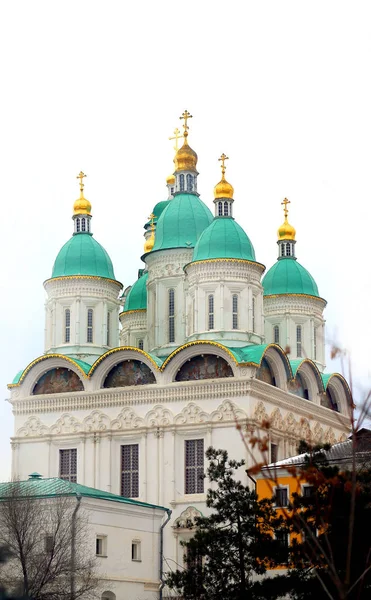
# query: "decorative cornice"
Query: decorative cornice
{"points": [[316, 298], [130, 312], [120, 349], [96, 277], [231, 260]]}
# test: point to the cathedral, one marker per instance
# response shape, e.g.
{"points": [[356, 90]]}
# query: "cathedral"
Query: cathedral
{"points": [[135, 384]]}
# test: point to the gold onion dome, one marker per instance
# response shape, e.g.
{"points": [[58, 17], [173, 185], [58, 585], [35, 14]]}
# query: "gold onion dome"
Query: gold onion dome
{"points": [[150, 242], [170, 180], [185, 158], [82, 206], [286, 231], [223, 189]]}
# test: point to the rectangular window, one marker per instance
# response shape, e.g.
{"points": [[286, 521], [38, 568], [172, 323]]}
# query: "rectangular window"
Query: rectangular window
{"points": [[194, 466], [171, 316], [234, 311], [140, 344], [135, 550], [274, 453], [308, 491], [89, 332], [211, 312], [108, 328], [281, 496], [298, 341], [276, 334], [283, 541], [48, 544], [68, 465], [67, 323], [101, 545], [130, 471]]}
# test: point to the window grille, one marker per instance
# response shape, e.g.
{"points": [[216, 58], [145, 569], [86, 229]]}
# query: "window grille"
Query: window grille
{"points": [[220, 209], [298, 341], [234, 311], [67, 324], [108, 328], [83, 224], [189, 183], [253, 314], [282, 498], [130, 471], [78, 225], [68, 465], [282, 249], [211, 311], [194, 466], [140, 344], [171, 316], [89, 331], [288, 249], [276, 330], [88, 225], [181, 182], [226, 209]]}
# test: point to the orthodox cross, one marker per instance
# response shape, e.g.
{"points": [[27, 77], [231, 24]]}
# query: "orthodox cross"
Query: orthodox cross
{"points": [[186, 115], [152, 218], [223, 158], [81, 176], [285, 210], [176, 137]]}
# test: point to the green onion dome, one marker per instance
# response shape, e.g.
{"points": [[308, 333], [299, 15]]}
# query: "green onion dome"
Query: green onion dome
{"points": [[158, 209], [288, 276], [137, 296], [82, 255], [224, 238]]}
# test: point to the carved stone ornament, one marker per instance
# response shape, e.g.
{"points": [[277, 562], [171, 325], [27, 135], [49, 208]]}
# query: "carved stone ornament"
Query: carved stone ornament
{"points": [[330, 436], [228, 411], [260, 414], [191, 414], [159, 417], [187, 517], [127, 419], [290, 424], [96, 421], [67, 424], [318, 433], [276, 419], [32, 427], [305, 432]]}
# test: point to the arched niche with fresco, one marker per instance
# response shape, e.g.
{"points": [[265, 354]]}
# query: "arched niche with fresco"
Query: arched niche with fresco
{"points": [[58, 381], [300, 387], [129, 372], [204, 366], [265, 373]]}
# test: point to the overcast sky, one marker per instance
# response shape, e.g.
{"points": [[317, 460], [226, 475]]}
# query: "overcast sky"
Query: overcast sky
{"points": [[282, 87]]}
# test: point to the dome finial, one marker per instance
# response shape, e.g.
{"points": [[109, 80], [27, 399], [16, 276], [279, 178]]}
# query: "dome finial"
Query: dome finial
{"points": [[186, 159], [286, 231], [223, 189], [177, 135], [82, 206], [151, 240], [186, 115]]}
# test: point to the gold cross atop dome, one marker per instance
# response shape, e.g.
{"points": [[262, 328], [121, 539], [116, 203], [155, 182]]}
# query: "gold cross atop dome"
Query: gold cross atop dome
{"points": [[223, 158], [185, 158], [186, 115], [177, 136], [285, 210], [286, 231], [82, 206], [81, 176]]}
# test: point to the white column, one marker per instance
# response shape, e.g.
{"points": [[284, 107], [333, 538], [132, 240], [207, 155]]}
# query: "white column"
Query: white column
{"points": [[145, 494]]}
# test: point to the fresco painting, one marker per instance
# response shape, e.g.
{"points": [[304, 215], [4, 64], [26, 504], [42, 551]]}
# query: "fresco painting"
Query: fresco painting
{"points": [[58, 381], [207, 366], [129, 372], [265, 374]]}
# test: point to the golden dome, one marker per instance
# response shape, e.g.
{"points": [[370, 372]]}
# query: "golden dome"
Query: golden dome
{"points": [[170, 180], [186, 158], [286, 231], [223, 189], [150, 242], [82, 206]]}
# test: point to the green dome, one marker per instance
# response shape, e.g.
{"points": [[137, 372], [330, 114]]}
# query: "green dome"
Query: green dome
{"points": [[137, 297], [157, 210], [224, 238], [288, 276], [182, 222], [82, 255]]}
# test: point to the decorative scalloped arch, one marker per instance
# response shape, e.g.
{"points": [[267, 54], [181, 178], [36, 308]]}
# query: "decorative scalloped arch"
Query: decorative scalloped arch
{"points": [[276, 419], [33, 427], [187, 516], [110, 359], [38, 367], [127, 419], [227, 411], [139, 353], [66, 424], [308, 371], [96, 421], [278, 363], [339, 388], [191, 414], [181, 355], [159, 416], [260, 413]]}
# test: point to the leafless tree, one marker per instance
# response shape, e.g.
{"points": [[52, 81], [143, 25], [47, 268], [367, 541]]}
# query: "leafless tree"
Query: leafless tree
{"points": [[48, 544]]}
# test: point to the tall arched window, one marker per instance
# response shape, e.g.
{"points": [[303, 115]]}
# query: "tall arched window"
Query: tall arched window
{"points": [[108, 328], [89, 329], [276, 333], [226, 209], [171, 311], [140, 344], [211, 311], [67, 325], [282, 249], [83, 224], [189, 183], [253, 314], [220, 209], [234, 311], [88, 225], [181, 182], [298, 341], [288, 249], [77, 225]]}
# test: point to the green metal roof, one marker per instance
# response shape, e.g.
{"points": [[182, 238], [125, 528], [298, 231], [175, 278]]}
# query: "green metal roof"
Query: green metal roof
{"points": [[82, 255], [288, 276], [223, 238], [182, 222], [325, 378], [137, 296], [54, 487], [250, 354], [18, 376]]}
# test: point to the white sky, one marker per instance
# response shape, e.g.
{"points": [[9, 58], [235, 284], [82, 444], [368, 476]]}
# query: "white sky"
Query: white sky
{"points": [[282, 87]]}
